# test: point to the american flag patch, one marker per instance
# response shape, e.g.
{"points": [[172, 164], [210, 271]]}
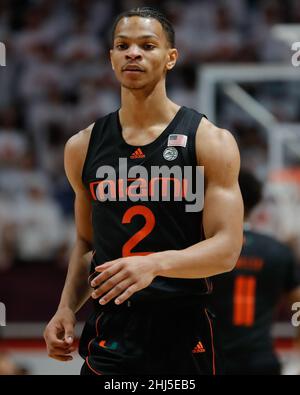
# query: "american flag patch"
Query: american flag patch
{"points": [[177, 140]]}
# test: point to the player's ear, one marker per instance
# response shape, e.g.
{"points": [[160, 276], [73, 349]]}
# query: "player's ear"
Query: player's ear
{"points": [[172, 58], [111, 61]]}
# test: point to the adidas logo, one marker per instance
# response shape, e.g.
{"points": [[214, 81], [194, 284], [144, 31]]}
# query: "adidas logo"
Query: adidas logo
{"points": [[138, 154], [198, 348]]}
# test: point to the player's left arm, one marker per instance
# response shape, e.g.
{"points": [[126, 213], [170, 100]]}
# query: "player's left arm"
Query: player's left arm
{"points": [[223, 213], [222, 221]]}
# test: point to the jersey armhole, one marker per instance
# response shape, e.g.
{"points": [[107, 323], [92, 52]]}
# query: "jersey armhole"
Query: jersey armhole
{"points": [[195, 123], [92, 138], [96, 133]]}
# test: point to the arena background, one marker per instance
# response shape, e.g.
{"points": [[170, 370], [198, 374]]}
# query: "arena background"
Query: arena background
{"points": [[238, 64]]}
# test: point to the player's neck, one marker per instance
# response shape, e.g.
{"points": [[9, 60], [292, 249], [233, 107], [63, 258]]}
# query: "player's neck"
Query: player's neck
{"points": [[141, 108]]}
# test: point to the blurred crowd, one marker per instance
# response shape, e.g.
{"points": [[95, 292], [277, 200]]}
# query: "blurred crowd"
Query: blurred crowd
{"points": [[58, 80]]}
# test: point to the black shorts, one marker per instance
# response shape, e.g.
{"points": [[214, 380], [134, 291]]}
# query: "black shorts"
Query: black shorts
{"points": [[150, 340]]}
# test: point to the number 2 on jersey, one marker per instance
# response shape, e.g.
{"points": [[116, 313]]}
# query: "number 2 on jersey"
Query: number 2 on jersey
{"points": [[142, 233]]}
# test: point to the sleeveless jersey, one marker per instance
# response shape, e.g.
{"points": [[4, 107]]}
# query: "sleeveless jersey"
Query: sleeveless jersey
{"points": [[126, 218]]}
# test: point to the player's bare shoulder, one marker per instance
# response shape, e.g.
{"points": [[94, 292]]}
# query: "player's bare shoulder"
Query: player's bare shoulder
{"points": [[75, 153], [79, 142], [217, 149]]}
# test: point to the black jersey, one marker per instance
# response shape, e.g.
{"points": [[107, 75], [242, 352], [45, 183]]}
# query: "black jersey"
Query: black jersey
{"points": [[127, 220], [245, 299]]}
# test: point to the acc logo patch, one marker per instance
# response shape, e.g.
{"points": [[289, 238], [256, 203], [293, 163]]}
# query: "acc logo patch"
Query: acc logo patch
{"points": [[170, 153]]}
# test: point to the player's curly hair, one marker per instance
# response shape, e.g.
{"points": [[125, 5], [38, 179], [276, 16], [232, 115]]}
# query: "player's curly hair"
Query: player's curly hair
{"points": [[148, 12]]}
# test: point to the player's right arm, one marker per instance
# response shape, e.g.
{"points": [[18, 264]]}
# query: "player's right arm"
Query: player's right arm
{"points": [[59, 333]]}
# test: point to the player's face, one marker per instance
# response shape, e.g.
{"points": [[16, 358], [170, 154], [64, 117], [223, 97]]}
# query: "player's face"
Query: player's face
{"points": [[141, 53]]}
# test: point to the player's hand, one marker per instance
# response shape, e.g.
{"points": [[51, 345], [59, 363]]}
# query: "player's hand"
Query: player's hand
{"points": [[123, 277], [59, 335]]}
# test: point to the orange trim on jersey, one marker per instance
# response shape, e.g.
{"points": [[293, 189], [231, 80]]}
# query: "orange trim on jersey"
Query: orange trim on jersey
{"points": [[212, 344], [92, 189], [93, 370], [89, 346]]}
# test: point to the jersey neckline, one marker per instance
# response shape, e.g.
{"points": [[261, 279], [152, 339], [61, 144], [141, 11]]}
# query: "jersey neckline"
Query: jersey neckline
{"points": [[164, 133]]}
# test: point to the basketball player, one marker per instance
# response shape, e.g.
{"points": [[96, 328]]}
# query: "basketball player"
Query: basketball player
{"points": [[151, 259], [245, 300]]}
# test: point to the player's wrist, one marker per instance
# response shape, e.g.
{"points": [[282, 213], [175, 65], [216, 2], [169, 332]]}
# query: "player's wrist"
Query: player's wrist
{"points": [[63, 307], [162, 262]]}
